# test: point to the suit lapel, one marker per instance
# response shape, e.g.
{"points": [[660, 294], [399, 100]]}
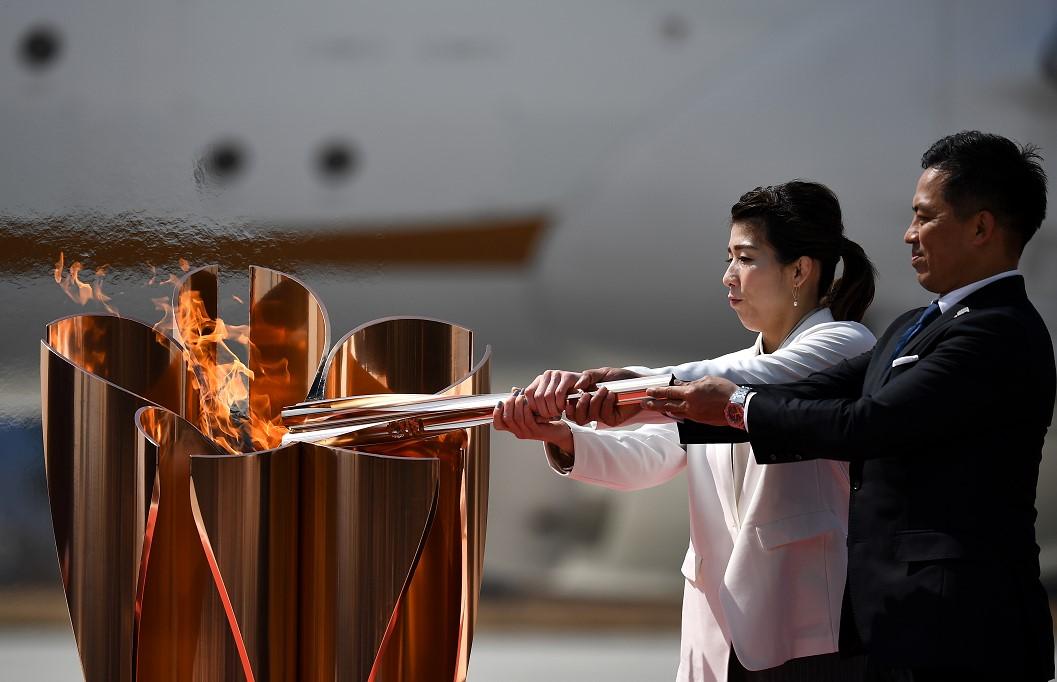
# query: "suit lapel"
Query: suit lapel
{"points": [[881, 360], [1005, 290]]}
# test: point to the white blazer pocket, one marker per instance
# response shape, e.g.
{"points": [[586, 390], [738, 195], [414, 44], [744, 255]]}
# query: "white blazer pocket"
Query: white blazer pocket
{"points": [[905, 360], [796, 528]]}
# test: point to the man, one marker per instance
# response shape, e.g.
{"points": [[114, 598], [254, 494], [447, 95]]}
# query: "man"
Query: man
{"points": [[943, 423]]}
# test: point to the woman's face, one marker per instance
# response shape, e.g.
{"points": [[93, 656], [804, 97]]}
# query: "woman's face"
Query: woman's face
{"points": [[759, 288]]}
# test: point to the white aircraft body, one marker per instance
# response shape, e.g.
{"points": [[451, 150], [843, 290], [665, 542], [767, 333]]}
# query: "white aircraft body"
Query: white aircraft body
{"points": [[613, 135]]}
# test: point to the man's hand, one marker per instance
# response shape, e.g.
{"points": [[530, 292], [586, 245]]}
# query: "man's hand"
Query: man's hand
{"points": [[548, 396], [702, 401], [515, 416]]}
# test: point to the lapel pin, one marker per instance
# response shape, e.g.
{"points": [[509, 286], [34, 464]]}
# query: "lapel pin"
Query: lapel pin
{"points": [[961, 312]]}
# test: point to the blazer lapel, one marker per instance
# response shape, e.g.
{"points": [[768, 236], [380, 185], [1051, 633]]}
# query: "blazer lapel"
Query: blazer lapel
{"points": [[718, 457]]}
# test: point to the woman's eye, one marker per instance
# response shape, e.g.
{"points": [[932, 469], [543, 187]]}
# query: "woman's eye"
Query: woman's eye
{"points": [[729, 260], [744, 259]]}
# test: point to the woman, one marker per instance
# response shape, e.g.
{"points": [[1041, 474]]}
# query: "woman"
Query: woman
{"points": [[766, 564]]}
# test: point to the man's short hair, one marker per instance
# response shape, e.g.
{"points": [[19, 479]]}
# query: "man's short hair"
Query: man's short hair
{"points": [[989, 172]]}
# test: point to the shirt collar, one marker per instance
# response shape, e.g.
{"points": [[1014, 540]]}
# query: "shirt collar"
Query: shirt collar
{"points": [[948, 301]]}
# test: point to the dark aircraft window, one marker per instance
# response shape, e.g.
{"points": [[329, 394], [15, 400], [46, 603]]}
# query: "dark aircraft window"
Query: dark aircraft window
{"points": [[40, 47], [336, 160], [222, 162]]}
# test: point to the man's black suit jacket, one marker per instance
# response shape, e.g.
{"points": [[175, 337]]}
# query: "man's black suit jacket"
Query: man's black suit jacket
{"points": [[943, 567]]}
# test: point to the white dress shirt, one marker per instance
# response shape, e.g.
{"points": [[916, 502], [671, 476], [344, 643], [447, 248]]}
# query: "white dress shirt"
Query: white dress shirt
{"points": [[948, 301]]}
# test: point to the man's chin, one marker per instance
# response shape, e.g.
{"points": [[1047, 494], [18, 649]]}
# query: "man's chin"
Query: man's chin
{"points": [[926, 282]]}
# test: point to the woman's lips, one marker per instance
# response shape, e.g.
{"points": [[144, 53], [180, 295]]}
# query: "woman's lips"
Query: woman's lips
{"points": [[733, 301]]}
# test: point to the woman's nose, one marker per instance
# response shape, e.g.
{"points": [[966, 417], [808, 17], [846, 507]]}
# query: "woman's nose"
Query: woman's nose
{"points": [[729, 279]]}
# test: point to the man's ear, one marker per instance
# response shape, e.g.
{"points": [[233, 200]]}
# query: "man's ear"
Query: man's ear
{"points": [[984, 228]]}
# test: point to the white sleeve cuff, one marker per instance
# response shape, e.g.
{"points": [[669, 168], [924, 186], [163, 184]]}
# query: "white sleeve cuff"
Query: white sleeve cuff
{"points": [[748, 400]]}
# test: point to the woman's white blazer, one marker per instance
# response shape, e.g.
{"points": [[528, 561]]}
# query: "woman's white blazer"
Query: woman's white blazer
{"points": [[765, 575]]}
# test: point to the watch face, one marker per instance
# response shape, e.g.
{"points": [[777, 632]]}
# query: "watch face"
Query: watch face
{"points": [[735, 415]]}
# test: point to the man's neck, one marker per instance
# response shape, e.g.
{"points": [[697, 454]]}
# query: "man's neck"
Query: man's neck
{"points": [[979, 276]]}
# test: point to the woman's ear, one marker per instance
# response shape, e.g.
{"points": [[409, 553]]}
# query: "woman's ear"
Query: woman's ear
{"points": [[803, 268]]}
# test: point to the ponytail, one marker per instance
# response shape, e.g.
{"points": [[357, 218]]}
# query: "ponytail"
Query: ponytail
{"points": [[850, 296]]}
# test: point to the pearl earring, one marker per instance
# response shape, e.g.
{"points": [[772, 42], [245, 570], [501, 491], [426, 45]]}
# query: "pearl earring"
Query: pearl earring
{"points": [[796, 296]]}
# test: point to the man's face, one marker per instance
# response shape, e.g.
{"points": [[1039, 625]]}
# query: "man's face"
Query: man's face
{"points": [[940, 241]]}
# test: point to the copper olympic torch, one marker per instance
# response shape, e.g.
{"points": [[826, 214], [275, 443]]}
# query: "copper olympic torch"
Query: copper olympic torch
{"points": [[193, 547]]}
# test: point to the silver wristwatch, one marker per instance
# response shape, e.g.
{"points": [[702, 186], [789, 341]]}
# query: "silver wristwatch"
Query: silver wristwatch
{"points": [[735, 409]]}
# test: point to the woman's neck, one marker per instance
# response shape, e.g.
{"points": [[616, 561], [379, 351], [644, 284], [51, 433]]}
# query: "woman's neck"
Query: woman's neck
{"points": [[774, 337]]}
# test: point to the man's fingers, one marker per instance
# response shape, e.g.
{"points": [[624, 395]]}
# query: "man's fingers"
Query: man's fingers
{"points": [[670, 407], [669, 392], [588, 379]]}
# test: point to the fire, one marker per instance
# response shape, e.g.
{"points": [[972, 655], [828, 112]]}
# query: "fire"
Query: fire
{"points": [[78, 290], [221, 379]]}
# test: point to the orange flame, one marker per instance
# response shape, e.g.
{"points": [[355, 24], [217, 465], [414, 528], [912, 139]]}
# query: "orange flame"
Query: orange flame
{"points": [[267, 433], [80, 291], [220, 379]]}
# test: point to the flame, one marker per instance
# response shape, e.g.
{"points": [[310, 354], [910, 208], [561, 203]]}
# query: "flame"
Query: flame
{"points": [[220, 378], [222, 381], [267, 433], [78, 290]]}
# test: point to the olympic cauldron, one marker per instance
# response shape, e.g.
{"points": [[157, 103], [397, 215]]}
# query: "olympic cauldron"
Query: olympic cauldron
{"points": [[198, 547]]}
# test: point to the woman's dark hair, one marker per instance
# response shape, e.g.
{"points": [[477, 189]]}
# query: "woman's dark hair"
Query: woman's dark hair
{"points": [[802, 218]]}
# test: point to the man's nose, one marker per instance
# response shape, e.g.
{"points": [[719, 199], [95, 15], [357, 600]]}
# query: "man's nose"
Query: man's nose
{"points": [[911, 235]]}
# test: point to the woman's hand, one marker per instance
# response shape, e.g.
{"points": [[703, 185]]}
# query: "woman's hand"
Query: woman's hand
{"points": [[701, 401], [515, 416], [548, 395]]}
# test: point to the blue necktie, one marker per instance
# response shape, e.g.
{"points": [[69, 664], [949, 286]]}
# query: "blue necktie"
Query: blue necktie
{"points": [[928, 315]]}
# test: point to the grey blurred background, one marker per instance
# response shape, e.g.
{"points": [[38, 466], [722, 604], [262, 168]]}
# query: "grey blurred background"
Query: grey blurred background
{"points": [[556, 175]]}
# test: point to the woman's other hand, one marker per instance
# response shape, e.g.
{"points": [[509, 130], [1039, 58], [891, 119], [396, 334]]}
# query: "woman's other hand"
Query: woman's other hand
{"points": [[548, 395], [601, 407], [516, 417]]}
